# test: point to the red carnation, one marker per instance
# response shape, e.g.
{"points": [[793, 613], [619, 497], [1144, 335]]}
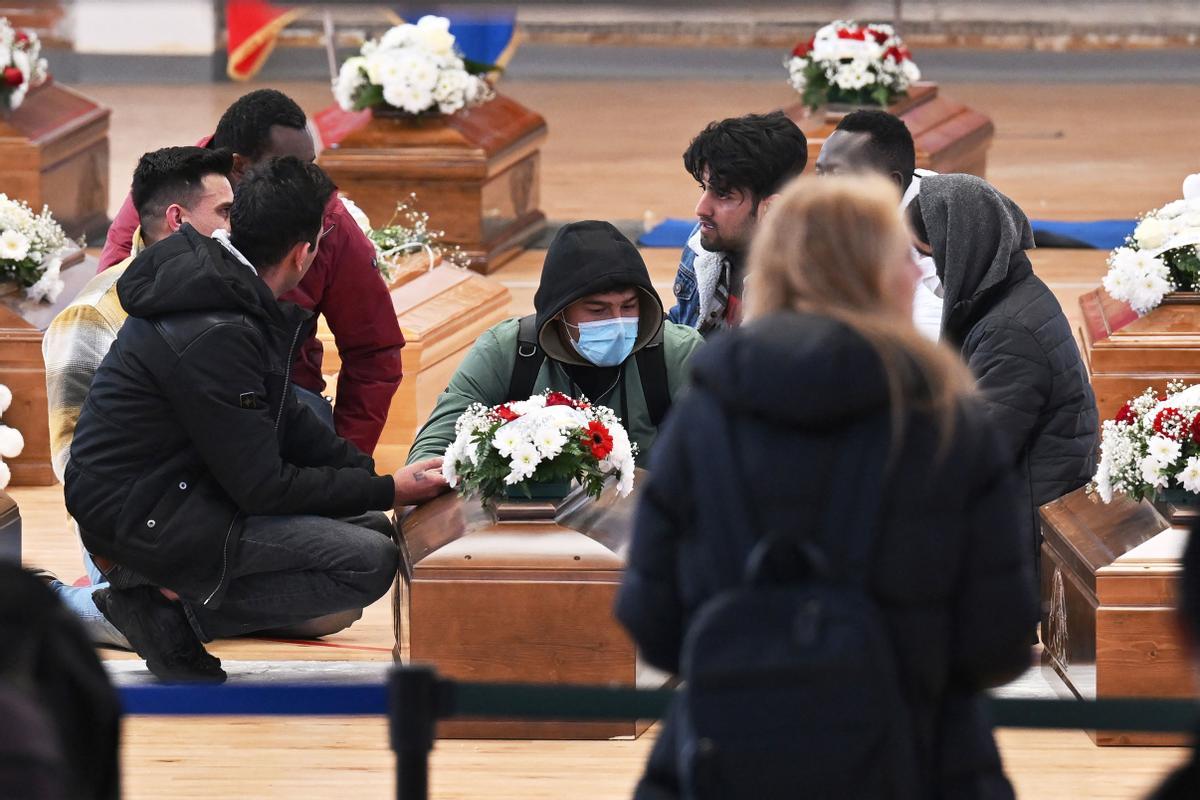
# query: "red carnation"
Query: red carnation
{"points": [[1171, 423], [506, 413], [879, 36], [897, 54], [559, 399], [21, 38], [1125, 414], [13, 77], [1195, 428], [597, 439], [803, 49], [852, 33]]}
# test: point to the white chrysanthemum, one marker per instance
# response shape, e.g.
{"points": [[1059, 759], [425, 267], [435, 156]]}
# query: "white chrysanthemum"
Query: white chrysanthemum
{"points": [[11, 442], [433, 33], [5, 475], [1191, 187], [1103, 477], [506, 440], [1164, 449], [1150, 233], [1154, 472], [1172, 209], [14, 246], [349, 80], [524, 462], [911, 72], [549, 441], [407, 97], [5, 398], [400, 36], [1189, 476], [383, 67]]}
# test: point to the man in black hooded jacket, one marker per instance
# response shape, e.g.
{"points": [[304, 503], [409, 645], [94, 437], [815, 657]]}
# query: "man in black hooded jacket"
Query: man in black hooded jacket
{"points": [[1013, 335], [599, 332], [220, 503]]}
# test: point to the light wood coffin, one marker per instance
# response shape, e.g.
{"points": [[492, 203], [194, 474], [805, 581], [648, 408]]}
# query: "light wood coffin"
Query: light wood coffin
{"points": [[22, 324], [1110, 577], [441, 313], [54, 151], [476, 173], [949, 136], [523, 594], [1126, 353]]}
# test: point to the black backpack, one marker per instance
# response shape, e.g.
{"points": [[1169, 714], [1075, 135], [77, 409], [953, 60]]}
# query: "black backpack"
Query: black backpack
{"points": [[651, 361], [791, 686]]}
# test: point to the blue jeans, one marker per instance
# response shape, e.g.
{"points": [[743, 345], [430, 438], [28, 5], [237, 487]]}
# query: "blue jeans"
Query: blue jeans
{"points": [[79, 600]]}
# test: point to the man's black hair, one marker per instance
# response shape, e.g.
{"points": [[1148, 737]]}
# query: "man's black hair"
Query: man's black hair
{"points": [[245, 127], [890, 143], [278, 205], [757, 153], [174, 175]]}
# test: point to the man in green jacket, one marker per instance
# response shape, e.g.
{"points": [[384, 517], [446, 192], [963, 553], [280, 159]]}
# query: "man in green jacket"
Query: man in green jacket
{"points": [[599, 332]]}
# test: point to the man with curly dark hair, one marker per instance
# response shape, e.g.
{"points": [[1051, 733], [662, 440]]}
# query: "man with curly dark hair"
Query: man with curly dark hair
{"points": [[741, 163]]}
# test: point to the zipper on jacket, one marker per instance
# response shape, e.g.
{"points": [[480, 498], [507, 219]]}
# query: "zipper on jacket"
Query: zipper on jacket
{"points": [[287, 375], [224, 559]]}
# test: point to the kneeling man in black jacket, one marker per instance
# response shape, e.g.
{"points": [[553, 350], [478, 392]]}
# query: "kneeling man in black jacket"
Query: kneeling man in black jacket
{"points": [[222, 505]]}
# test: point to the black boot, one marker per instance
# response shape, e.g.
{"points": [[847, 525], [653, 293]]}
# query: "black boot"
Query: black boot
{"points": [[159, 631]]}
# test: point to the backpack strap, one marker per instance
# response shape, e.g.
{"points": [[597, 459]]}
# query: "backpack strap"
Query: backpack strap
{"points": [[530, 358], [652, 370]]}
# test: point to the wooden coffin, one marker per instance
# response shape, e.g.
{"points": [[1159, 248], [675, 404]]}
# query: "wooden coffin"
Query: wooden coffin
{"points": [[1126, 353], [949, 136], [10, 529], [476, 173], [441, 313], [1110, 577], [22, 324], [54, 151], [520, 594]]}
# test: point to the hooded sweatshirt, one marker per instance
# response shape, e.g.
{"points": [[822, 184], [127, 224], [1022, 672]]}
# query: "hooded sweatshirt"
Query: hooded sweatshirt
{"points": [[191, 423], [1013, 335], [584, 258]]}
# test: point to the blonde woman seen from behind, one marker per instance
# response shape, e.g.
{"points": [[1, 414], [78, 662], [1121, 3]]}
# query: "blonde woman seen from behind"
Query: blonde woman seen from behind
{"points": [[826, 549]]}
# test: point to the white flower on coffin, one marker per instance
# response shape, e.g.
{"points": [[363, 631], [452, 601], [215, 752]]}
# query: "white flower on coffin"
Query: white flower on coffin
{"points": [[1150, 233], [506, 440], [1189, 477], [5, 398], [1154, 472], [434, 34], [14, 245], [11, 442], [1164, 450], [349, 80], [398, 37], [1191, 187], [524, 463], [549, 441], [360, 217]]}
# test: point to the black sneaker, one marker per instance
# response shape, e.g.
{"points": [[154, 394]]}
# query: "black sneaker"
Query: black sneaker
{"points": [[159, 631]]}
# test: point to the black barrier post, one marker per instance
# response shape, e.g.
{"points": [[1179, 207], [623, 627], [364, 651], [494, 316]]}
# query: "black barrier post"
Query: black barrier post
{"points": [[415, 697]]}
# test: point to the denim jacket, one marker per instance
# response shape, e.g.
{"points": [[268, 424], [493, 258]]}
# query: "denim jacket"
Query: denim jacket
{"points": [[695, 282]]}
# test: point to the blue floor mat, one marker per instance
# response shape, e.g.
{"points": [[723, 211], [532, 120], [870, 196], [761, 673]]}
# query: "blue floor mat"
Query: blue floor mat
{"points": [[1102, 234]]}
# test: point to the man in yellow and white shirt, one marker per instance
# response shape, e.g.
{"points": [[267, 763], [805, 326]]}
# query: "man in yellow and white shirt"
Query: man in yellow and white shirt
{"points": [[171, 187]]}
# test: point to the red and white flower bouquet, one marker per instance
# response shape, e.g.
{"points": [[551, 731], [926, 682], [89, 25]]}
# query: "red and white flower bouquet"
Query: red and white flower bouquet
{"points": [[1152, 446], [21, 64], [846, 62], [548, 439]]}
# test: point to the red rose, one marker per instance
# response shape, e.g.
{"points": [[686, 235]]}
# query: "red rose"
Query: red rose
{"points": [[1125, 414], [21, 38], [879, 36], [897, 54], [13, 77], [852, 33], [1195, 428], [597, 439], [803, 49], [559, 399], [1172, 424], [506, 413]]}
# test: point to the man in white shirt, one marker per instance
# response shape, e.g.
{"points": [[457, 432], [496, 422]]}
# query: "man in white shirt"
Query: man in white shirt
{"points": [[876, 141]]}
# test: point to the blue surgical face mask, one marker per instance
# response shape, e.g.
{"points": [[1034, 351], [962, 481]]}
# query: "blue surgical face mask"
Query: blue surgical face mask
{"points": [[606, 342]]}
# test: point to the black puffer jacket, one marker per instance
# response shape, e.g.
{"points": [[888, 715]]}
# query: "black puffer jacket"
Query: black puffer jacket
{"points": [[1013, 335], [191, 423], [950, 572]]}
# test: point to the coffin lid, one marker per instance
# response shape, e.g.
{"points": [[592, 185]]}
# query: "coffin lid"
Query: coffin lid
{"points": [[1166, 339]]}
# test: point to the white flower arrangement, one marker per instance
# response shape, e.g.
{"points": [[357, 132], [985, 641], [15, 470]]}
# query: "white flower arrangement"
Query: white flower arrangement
{"points": [[407, 232], [32, 247], [11, 441], [412, 68], [846, 62], [21, 64], [1151, 445], [1161, 254], [548, 438]]}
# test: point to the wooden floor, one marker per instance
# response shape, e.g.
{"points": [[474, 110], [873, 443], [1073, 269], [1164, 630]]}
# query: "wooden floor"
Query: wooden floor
{"points": [[1062, 152]]}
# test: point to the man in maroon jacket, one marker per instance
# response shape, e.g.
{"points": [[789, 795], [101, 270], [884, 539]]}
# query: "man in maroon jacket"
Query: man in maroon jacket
{"points": [[343, 283]]}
